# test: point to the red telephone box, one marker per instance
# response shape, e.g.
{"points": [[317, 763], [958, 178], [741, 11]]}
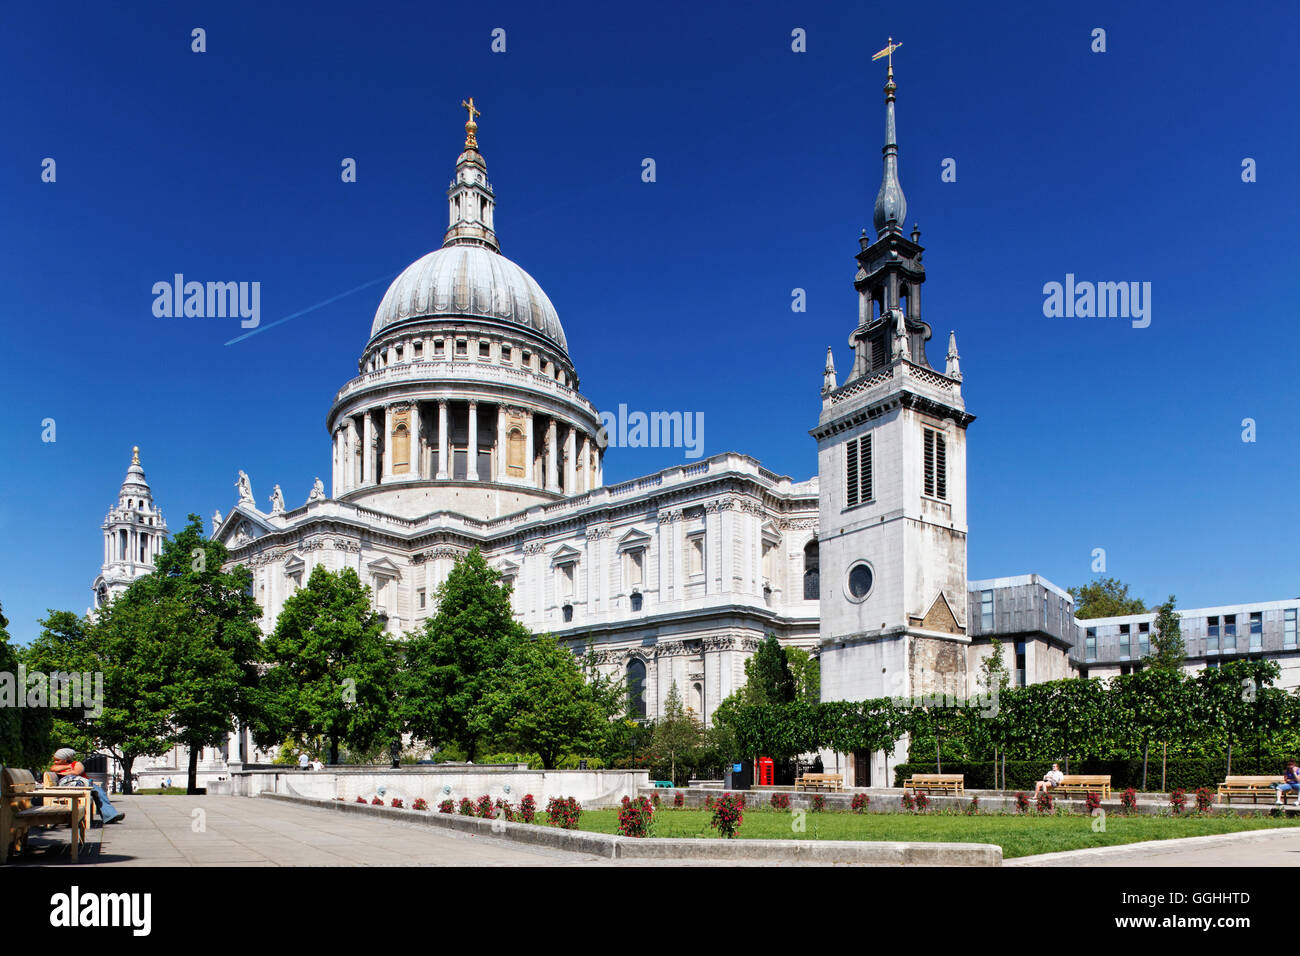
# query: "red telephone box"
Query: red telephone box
{"points": [[766, 772]]}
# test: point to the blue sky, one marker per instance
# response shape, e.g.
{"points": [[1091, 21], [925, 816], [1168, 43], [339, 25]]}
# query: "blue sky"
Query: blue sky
{"points": [[1115, 166]]}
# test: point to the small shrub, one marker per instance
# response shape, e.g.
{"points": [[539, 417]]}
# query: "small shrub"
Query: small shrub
{"points": [[420, 804], [679, 799], [708, 801], [483, 808], [859, 803], [362, 800], [564, 812], [922, 802], [780, 801], [635, 817], [655, 800], [1092, 802], [908, 802], [396, 802], [1129, 801], [527, 808], [466, 807], [377, 802], [818, 803], [728, 815], [1044, 802], [1022, 802], [1177, 801], [1204, 799], [504, 810], [973, 807], [447, 806]]}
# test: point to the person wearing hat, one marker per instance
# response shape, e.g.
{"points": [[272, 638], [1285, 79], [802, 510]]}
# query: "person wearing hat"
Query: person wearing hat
{"points": [[72, 773]]}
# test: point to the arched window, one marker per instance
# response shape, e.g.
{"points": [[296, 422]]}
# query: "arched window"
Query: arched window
{"points": [[515, 453], [636, 688], [811, 572], [401, 448], [697, 699]]}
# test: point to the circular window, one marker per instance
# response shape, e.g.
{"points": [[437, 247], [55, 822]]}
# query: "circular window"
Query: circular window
{"points": [[860, 580]]}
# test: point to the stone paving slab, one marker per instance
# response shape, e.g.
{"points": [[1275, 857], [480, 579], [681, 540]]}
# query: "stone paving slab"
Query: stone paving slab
{"points": [[1279, 847]]}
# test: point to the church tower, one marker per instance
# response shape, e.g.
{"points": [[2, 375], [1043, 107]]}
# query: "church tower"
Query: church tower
{"points": [[891, 447], [134, 531]]}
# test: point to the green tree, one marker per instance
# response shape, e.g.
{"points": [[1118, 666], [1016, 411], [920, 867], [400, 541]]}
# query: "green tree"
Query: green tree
{"points": [[544, 704], [1105, 597], [63, 647], [1152, 705], [807, 673], [332, 668], [1167, 641], [210, 655], [994, 677], [677, 735], [454, 663], [25, 732], [768, 679]]}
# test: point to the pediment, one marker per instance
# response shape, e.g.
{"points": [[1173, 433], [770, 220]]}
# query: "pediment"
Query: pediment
{"points": [[633, 539], [565, 553]]}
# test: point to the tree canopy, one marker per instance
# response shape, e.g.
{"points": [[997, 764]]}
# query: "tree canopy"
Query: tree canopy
{"points": [[1105, 597]]}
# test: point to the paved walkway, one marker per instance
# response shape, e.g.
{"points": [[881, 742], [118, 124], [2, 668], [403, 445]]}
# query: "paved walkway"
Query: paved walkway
{"points": [[238, 831], [1251, 848]]}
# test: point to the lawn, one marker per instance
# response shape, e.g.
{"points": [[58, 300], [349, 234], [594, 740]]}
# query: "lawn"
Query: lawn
{"points": [[1018, 835]]}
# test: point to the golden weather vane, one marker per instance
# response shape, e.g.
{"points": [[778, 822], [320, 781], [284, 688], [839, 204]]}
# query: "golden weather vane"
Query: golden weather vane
{"points": [[888, 51], [471, 127]]}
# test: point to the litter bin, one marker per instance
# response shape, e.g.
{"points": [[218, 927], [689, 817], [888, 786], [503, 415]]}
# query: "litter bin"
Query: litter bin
{"points": [[739, 776]]}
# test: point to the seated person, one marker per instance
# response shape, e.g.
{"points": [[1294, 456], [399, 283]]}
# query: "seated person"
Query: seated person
{"points": [[72, 773], [1053, 779], [1292, 782]]}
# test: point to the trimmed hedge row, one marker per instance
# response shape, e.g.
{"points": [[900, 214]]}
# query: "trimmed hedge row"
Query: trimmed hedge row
{"points": [[1182, 772]]}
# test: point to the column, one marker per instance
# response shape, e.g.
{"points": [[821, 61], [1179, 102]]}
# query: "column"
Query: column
{"points": [[350, 477], [368, 449], [471, 453], [499, 459], [552, 458], [388, 442], [417, 440], [334, 475], [442, 438], [586, 463], [529, 471], [570, 470]]}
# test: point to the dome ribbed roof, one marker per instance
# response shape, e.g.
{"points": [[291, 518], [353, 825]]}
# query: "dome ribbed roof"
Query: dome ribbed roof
{"points": [[473, 281]]}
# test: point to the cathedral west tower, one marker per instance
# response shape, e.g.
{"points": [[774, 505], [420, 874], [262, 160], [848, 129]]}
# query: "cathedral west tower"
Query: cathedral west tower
{"points": [[892, 464]]}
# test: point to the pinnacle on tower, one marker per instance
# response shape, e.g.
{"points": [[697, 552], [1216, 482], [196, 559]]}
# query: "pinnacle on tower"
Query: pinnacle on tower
{"points": [[828, 373], [953, 368], [891, 205]]}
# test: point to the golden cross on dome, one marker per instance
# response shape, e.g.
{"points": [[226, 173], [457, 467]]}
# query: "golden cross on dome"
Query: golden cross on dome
{"points": [[135, 455], [471, 127]]}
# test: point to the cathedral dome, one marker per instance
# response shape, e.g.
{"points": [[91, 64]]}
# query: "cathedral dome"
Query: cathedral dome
{"points": [[469, 280]]}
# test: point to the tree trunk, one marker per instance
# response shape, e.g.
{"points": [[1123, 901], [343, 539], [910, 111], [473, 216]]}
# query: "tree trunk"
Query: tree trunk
{"points": [[192, 778], [938, 754], [334, 750], [1146, 747], [126, 761], [1229, 757], [1004, 770], [1164, 766], [995, 768]]}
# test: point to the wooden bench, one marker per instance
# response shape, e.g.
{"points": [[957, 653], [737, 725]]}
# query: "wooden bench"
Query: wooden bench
{"points": [[51, 781], [1085, 783], [1253, 787], [947, 782], [820, 781], [18, 814]]}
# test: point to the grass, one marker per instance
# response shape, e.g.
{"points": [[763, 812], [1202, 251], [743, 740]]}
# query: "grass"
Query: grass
{"points": [[1018, 835], [168, 791]]}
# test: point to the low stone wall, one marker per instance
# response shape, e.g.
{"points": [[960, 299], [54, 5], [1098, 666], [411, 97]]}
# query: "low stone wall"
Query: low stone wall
{"points": [[591, 788], [856, 852]]}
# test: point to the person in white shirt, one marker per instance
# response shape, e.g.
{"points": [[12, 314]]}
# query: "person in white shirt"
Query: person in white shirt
{"points": [[317, 765], [1053, 779], [303, 761]]}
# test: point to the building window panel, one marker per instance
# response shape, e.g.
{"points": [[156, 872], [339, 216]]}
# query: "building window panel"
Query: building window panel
{"points": [[936, 464], [986, 611]]}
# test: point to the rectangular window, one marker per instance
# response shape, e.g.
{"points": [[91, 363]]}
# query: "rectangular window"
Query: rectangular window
{"points": [[567, 576], [1289, 627], [1144, 639], [1090, 645], [1212, 635], [695, 555], [1256, 630], [420, 597], [462, 347], [1020, 663], [417, 351], [505, 354], [1230, 632], [986, 611], [1125, 641], [858, 471], [438, 350], [936, 464], [635, 568], [484, 349]]}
